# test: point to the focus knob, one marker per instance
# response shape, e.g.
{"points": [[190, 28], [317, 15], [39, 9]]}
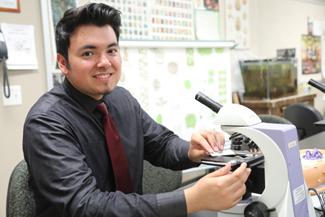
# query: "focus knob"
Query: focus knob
{"points": [[256, 209]]}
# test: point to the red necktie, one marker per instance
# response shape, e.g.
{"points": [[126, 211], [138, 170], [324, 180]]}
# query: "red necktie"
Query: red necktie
{"points": [[116, 151]]}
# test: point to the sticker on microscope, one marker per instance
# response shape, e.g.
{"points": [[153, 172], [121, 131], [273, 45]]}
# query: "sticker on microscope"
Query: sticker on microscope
{"points": [[299, 194], [292, 144]]}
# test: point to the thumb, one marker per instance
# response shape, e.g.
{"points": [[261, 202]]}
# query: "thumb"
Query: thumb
{"points": [[220, 172]]}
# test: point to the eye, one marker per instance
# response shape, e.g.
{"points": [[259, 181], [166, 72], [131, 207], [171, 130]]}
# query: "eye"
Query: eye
{"points": [[113, 51], [87, 54]]}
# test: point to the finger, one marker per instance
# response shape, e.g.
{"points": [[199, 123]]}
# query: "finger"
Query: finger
{"points": [[240, 192], [199, 139], [215, 139], [221, 172], [220, 140], [242, 172], [248, 172], [237, 194], [237, 187], [212, 139], [238, 176], [237, 201]]}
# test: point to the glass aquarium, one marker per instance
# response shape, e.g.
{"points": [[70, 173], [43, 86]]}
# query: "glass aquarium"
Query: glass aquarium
{"points": [[269, 78]]}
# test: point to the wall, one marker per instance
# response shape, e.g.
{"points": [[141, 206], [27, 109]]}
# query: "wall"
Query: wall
{"points": [[33, 84], [279, 24]]}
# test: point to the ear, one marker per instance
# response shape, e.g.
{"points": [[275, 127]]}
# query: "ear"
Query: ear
{"points": [[62, 63]]}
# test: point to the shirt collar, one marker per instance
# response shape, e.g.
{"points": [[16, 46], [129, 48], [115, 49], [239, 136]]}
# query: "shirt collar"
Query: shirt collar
{"points": [[83, 99]]}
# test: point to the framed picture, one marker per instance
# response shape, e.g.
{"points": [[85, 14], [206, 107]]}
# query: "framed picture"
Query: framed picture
{"points": [[10, 6], [311, 54]]}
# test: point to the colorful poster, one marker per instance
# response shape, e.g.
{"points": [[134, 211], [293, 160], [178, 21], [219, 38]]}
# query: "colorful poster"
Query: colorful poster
{"points": [[167, 19], [211, 4], [155, 20], [172, 20], [311, 54]]}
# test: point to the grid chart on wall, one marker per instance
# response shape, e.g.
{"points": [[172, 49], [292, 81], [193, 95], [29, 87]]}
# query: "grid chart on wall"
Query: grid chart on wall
{"points": [[165, 82], [159, 19]]}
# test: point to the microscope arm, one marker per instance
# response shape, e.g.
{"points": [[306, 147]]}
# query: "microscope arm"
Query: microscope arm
{"points": [[276, 174]]}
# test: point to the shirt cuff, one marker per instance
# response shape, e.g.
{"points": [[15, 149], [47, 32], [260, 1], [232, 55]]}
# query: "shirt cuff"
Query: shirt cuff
{"points": [[172, 204], [187, 162]]}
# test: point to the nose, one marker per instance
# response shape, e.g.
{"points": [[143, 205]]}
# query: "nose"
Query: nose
{"points": [[104, 61]]}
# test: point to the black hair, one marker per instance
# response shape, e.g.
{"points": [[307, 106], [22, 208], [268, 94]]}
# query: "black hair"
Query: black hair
{"points": [[94, 13]]}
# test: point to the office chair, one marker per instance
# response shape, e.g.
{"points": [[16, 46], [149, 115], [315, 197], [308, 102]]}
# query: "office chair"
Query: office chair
{"points": [[159, 180], [303, 116], [21, 201], [20, 197], [273, 119]]}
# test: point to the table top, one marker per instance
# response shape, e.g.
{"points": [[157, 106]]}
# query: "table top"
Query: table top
{"points": [[280, 101], [314, 141], [320, 123]]}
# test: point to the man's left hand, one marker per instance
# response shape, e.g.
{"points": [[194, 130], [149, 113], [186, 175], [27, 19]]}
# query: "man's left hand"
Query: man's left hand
{"points": [[205, 142]]}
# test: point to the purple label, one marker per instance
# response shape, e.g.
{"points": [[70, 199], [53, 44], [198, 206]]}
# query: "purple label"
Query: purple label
{"points": [[313, 155]]}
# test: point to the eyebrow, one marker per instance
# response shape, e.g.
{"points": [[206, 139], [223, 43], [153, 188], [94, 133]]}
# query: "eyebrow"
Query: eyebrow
{"points": [[93, 46]]}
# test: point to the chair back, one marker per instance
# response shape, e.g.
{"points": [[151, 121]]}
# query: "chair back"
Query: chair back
{"points": [[20, 197], [273, 119], [303, 116], [159, 180]]}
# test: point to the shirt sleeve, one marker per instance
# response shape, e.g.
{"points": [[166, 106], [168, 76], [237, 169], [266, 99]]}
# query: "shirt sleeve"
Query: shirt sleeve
{"points": [[172, 203], [163, 147]]}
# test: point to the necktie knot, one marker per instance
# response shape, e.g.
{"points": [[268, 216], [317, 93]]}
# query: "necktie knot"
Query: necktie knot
{"points": [[102, 108]]}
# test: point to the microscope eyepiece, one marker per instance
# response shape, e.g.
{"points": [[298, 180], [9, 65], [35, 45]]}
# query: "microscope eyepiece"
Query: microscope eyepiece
{"points": [[207, 101]]}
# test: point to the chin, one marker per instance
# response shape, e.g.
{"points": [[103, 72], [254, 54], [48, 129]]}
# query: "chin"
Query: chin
{"points": [[108, 90]]}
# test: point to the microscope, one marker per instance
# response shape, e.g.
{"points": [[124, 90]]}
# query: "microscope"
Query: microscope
{"points": [[285, 193], [318, 85]]}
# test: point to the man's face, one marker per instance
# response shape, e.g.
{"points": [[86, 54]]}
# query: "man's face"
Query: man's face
{"points": [[94, 61]]}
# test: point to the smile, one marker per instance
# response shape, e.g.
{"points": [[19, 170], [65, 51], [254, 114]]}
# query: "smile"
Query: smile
{"points": [[103, 76]]}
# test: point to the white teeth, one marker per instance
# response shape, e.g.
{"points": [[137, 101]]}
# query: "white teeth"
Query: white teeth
{"points": [[103, 76]]}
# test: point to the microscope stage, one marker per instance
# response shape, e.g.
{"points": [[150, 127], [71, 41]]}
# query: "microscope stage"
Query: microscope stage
{"points": [[252, 159]]}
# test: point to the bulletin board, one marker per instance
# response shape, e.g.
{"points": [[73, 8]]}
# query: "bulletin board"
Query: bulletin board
{"points": [[167, 19]]}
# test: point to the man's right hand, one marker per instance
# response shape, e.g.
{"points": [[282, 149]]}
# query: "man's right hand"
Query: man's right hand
{"points": [[219, 190]]}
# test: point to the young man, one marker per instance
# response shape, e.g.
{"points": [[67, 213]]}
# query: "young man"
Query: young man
{"points": [[64, 140]]}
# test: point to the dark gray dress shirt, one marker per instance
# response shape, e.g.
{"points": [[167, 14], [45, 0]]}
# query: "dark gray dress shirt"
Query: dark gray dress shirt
{"points": [[71, 175]]}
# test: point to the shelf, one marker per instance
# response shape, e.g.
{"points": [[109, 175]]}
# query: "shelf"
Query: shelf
{"points": [[177, 44]]}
